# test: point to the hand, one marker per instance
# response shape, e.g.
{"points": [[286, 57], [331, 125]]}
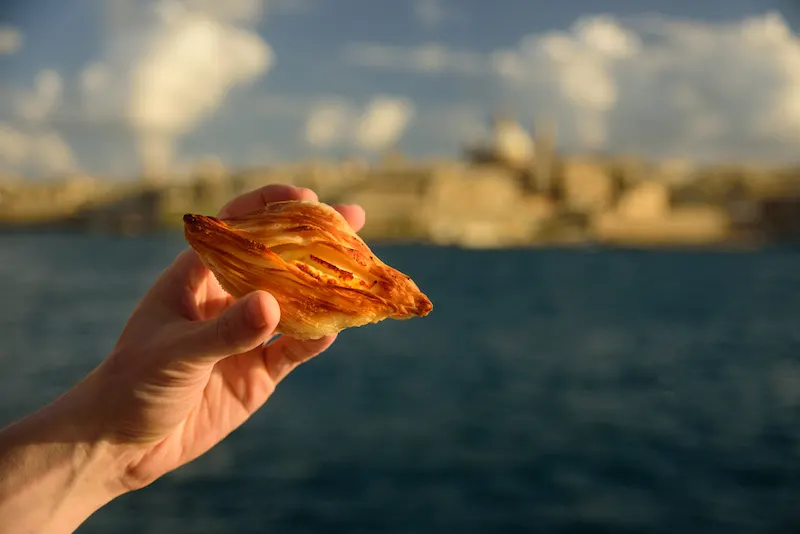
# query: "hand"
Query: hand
{"points": [[190, 366]]}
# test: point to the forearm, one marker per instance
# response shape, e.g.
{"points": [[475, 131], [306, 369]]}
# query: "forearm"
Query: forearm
{"points": [[51, 477]]}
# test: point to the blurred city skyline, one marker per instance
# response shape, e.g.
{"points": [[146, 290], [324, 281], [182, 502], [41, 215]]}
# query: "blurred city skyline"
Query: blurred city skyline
{"points": [[103, 86]]}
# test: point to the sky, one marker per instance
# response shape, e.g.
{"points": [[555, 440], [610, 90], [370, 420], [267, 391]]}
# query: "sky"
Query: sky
{"points": [[110, 87]]}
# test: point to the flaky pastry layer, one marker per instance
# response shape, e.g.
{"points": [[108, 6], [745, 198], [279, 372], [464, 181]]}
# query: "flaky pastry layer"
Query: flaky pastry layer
{"points": [[323, 275]]}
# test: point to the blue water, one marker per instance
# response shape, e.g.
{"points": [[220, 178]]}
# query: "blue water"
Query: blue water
{"points": [[549, 391]]}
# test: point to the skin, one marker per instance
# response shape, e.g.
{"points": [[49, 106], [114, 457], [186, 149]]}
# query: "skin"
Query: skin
{"points": [[190, 366]]}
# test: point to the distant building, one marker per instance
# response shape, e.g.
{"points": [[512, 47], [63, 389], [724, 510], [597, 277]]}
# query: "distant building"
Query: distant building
{"points": [[512, 144], [586, 186]]}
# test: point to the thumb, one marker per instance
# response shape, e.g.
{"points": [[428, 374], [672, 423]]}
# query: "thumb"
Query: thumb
{"points": [[245, 325]]}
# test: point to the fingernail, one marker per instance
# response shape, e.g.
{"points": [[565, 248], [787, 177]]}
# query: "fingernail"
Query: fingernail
{"points": [[255, 313], [306, 192]]}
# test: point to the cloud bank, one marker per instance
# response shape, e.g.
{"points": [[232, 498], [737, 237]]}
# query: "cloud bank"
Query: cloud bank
{"points": [[169, 65], [649, 85], [337, 123], [40, 150], [27, 140]]}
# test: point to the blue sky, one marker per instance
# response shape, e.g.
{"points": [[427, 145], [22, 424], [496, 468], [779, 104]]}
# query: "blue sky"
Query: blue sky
{"points": [[318, 78]]}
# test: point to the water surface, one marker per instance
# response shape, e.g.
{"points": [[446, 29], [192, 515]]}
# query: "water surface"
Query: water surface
{"points": [[549, 391]]}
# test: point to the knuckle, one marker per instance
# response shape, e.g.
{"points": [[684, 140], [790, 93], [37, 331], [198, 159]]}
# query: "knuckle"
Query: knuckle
{"points": [[300, 351], [293, 355]]}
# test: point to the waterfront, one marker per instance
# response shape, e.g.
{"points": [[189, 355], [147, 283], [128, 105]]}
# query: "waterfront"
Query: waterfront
{"points": [[511, 191], [582, 390]]}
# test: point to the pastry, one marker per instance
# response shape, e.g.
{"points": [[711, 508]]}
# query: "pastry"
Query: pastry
{"points": [[323, 275]]}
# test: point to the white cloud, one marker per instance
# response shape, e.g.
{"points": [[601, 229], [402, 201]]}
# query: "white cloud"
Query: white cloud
{"points": [[40, 103], [43, 151], [172, 65], [383, 122], [337, 122], [328, 122], [665, 87], [29, 143], [431, 58], [572, 73], [10, 40]]}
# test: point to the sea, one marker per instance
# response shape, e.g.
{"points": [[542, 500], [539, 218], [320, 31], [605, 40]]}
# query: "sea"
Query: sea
{"points": [[550, 390]]}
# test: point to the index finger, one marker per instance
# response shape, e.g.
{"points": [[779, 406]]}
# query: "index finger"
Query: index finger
{"points": [[258, 198]]}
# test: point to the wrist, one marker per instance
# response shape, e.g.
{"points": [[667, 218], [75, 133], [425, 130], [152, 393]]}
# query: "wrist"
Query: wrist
{"points": [[55, 471]]}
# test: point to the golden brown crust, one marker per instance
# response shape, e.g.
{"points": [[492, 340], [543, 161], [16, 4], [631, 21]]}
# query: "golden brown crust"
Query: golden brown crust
{"points": [[323, 275]]}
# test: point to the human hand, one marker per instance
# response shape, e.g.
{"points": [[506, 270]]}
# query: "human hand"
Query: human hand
{"points": [[191, 364]]}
